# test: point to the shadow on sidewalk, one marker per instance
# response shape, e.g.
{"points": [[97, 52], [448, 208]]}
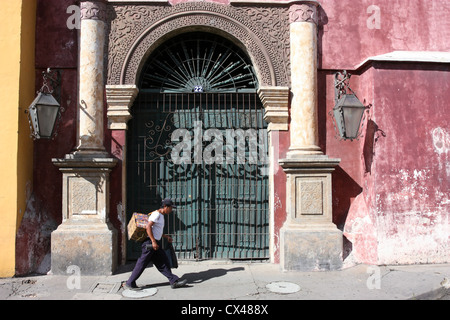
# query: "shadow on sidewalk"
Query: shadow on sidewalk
{"points": [[197, 277], [202, 276]]}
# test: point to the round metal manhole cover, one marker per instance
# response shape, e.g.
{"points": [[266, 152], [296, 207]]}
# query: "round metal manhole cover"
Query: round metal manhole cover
{"points": [[283, 287], [140, 293]]}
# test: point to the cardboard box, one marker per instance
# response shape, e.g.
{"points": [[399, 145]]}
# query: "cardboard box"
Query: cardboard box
{"points": [[137, 227]]}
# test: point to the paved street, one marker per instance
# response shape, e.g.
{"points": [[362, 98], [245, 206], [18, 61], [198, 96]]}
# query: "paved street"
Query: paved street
{"points": [[242, 281]]}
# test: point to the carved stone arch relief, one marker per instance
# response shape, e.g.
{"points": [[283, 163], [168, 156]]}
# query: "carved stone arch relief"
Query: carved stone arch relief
{"points": [[205, 22], [263, 32]]}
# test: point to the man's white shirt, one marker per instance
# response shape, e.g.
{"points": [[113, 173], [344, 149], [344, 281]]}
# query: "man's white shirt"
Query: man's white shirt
{"points": [[158, 226]]}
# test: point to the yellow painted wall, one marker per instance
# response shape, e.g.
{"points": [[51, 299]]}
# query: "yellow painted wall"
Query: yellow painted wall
{"points": [[17, 91]]}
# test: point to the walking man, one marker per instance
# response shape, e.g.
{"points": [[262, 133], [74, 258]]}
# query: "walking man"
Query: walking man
{"points": [[152, 249]]}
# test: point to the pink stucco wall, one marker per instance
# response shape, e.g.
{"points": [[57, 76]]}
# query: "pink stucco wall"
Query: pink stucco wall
{"points": [[400, 165], [350, 34], [402, 214], [411, 163]]}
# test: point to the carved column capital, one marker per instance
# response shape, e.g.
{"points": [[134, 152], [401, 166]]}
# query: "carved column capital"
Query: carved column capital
{"points": [[93, 10], [304, 12], [119, 99]]}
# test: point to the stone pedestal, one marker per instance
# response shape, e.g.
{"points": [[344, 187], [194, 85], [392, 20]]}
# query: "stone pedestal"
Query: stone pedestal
{"points": [[309, 239], [85, 238], [311, 250], [89, 244]]}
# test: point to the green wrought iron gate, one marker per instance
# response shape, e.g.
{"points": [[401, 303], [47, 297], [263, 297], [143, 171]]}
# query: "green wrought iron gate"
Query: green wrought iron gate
{"points": [[198, 136], [208, 152]]}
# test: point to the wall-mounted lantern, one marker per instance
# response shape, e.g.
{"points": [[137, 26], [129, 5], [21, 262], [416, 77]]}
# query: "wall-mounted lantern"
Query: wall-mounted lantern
{"points": [[348, 110], [45, 111]]}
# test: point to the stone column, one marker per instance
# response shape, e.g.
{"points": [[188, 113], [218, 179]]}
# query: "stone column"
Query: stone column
{"points": [[309, 239], [303, 42], [85, 237], [91, 78]]}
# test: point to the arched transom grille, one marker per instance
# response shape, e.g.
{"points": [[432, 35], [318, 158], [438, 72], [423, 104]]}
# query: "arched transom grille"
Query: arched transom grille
{"points": [[198, 62]]}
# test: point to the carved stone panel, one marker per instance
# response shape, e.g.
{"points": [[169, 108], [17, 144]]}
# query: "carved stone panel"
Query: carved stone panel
{"points": [[310, 199], [83, 195]]}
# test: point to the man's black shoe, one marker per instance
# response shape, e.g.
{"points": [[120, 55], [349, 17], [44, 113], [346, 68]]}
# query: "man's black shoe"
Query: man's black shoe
{"points": [[179, 283], [133, 287]]}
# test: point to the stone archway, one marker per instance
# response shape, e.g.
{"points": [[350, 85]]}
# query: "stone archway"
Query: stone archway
{"points": [[219, 25], [136, 30], [261, 31]]}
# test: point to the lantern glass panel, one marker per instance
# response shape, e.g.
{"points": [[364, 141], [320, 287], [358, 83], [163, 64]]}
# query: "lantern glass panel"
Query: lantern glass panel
{"points": [[352, 121], [46, 115], [44, 112], [348, 113], [339, 121]]}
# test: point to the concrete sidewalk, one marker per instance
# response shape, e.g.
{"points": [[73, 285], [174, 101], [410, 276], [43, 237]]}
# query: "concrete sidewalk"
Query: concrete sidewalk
{"points": [[243, 281]]}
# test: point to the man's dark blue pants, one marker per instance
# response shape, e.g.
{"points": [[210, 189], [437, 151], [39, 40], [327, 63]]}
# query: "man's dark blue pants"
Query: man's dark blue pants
{"points": [[159, 259]]}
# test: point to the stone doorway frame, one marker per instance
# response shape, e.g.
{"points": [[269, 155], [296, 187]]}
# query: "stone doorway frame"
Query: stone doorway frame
{"points": [[227, 21]]}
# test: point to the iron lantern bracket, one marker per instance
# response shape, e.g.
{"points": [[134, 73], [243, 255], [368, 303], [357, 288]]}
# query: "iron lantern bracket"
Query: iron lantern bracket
{"points": [[51, 85], [346, 100]]}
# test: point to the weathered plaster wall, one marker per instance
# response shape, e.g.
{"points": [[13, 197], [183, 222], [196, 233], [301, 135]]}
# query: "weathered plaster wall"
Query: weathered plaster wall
{"points": [[412, 168], [402, 214], [360, 225], [115, 142], [355, 30], [390, 192], [56, 47], [279, 200]]}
